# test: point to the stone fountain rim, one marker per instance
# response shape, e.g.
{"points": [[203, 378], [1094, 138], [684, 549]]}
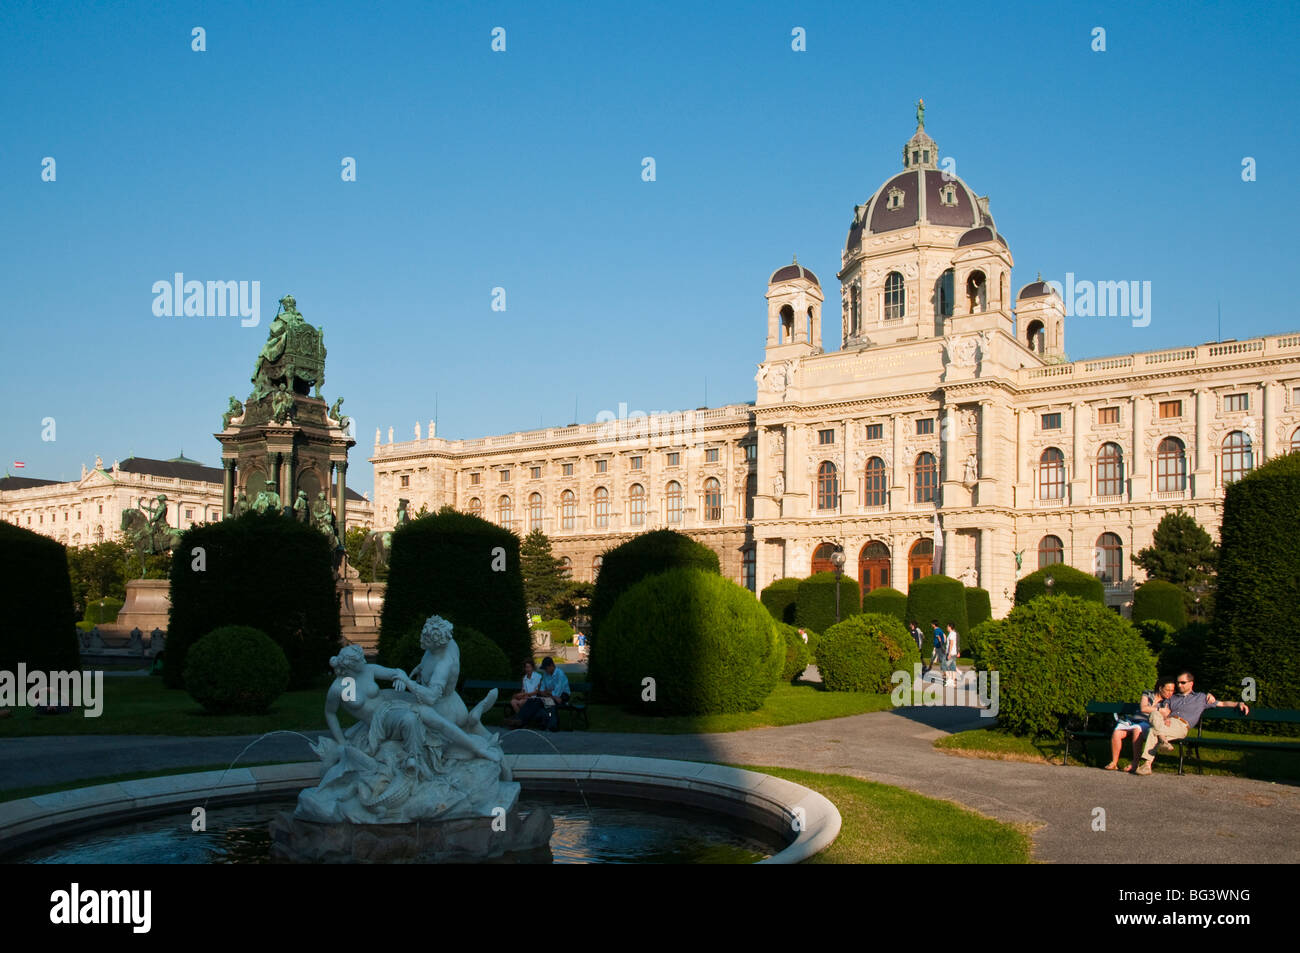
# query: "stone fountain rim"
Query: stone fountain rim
{"points": [[775, 801]]}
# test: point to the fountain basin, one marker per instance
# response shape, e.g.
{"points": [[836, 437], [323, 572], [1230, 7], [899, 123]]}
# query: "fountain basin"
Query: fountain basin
{"points": [[804, 819]]}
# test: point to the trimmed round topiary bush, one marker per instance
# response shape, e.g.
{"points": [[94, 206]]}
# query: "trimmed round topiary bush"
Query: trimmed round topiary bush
{"points": [[938, 597], [978, 606], [39, 627], [462, 568], [263, 570], [798, 655], [1055, 654], [101, 611], [640, 557], [236, 670], [862, 653], [1155, 633], [709, 645], [815, 601], [780, 598], [561, 631], [1066, 581], [887, 601], [1157, 599]]}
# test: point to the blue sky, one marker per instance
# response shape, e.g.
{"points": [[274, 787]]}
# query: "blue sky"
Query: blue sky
{"points": [[522, 170]]}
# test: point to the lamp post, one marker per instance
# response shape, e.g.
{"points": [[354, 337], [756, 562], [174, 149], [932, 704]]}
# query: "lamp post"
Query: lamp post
{"points": [[1050, 581], [1198, 608], [837, 560]]}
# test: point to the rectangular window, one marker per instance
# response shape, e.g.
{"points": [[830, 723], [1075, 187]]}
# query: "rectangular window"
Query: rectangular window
{"points": [[1236, 402], [406, 480], [568, 469], [711, 455], [636, 463], [751, 452], [474, 479], [825, 436], [535, 473], [1171, 408], [505, 477], [925, 425], [1051, 422], [875, 431], [602, 466], [189, 514], [674, 459], [1108, 415], [1295, 395]]}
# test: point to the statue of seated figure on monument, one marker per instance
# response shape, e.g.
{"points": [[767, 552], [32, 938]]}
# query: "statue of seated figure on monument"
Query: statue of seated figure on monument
{"points": [[294, 355]]}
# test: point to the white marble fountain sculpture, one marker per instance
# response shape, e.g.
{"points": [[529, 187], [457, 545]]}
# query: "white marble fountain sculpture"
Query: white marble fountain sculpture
{"points": [[416, 752]]}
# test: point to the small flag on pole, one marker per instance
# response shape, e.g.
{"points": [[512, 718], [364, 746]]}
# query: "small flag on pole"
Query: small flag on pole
{"points": [[18, 464]]}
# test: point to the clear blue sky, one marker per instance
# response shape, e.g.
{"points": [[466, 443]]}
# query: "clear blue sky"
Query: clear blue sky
{"points": [[522, 170]]}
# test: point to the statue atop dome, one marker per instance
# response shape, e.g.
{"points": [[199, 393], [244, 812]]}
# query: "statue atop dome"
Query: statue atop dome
{"points": [[920, 114]]}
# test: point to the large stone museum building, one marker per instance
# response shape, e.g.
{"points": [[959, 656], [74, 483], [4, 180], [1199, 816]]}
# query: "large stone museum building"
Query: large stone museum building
{"points": [[947, 431]]}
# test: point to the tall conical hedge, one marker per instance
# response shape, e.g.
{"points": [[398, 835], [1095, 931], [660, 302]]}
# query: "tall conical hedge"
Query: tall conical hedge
{"points": [[39, 627]]}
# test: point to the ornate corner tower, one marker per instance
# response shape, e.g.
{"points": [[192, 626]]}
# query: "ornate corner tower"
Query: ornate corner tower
{"points": [[794, 313], [1040, 317]]}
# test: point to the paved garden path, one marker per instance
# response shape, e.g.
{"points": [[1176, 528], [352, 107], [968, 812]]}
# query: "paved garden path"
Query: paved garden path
{"points": [[1162, 818]]}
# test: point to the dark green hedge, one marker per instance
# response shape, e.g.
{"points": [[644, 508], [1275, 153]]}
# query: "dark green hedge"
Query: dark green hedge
{"points": [[236, 670], [481, 659], [262, 570], [888, 601], [862, 653], [561, 631], [978, 606], [39, 626], [798, 654], [1066, 581], [780, 598], [815, 601], [641, 556], [972, 646], [100, 611], [1259, 578], [444, 565], [1157, 599], [1155, 633], [1187, 649], [938, 597], [1055, 654], [709, 645]]}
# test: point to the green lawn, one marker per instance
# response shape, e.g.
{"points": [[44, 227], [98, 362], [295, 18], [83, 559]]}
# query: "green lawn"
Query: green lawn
{"points": [[991, 743], [787, 705], [887, 825], [142, 706]]}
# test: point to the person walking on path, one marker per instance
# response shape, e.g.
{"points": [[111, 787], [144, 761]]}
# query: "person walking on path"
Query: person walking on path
{"points": [[950, 656]]}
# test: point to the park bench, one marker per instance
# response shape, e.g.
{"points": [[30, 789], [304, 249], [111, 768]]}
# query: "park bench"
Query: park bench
{"points": [[1193, 742], [575, 707]]}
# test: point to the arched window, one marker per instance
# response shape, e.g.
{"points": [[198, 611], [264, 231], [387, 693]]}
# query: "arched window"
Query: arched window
{"points": [[99, 533], [1051, 475], [674, 500], [828, 486], [749, 569], [873, 566], [602, 507], [1110, 558], [1110, 470], [976, 292], [1295, 441], [566, 566], [920, 559], [1238, 457], [927, 478], [712, 499], [751, 490], [874, 486], [535, 512], [786, 335], [1171, 466], [475, 506], [636, 504], [1050, 551], [568, 509], [505, 511], [1036, 337], [821, 560], [946, 294], [596, 563], [895, 302]]}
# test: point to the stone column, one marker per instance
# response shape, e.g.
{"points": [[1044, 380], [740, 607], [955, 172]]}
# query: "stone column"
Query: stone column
{"points": [[897, 485], [898, 577], [227, 487], [1267, 449], [1203, 474], [277, 470], [286, 498], [949, 552], [340, 502], [1021, 497], [1139, 477], [1078, 469]]}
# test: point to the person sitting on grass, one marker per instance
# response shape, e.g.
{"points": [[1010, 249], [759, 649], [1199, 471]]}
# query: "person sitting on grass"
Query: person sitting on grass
{"points": [[532, 679], [1135, 727], [1175, 718]]}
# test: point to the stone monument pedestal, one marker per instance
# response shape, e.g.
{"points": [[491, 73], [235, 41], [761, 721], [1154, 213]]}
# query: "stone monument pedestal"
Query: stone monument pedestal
{"points": [[147, 604]]}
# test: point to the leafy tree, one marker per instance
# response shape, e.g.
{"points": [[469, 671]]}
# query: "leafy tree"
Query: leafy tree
{"points": [[364, 565], [97, 572], [1183, 553], [574, 601], [544, 580]]}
